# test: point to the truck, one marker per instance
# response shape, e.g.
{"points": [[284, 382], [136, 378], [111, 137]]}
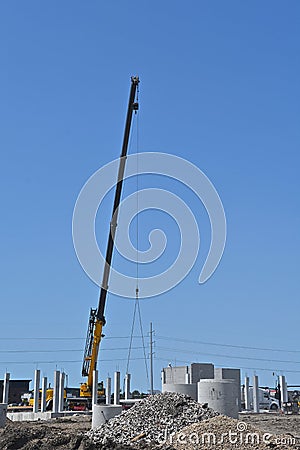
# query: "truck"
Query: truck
{"points": [[265, 400], [49, 398], [293, 402]]}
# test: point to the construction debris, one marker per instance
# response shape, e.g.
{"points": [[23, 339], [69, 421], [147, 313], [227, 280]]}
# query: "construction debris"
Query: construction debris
{"points": [[70, 433], [153, 420]]}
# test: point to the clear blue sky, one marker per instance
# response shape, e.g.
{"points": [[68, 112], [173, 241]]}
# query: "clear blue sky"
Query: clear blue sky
{"points": [[219, 87]]}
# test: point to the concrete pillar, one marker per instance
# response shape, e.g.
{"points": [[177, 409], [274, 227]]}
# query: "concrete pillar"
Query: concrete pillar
{"points": [[36, 392], [44, 394], [117, 388], [95, 388], [283, 389], [255, 394], [127, 386], [61, 399], [56, 391], [187, 376], [246, 393], [108, 391], [6, 387]]}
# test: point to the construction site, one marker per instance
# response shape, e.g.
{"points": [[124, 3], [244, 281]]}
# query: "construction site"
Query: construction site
{"points": [[192, 340], [199, 405], [168, 420]]}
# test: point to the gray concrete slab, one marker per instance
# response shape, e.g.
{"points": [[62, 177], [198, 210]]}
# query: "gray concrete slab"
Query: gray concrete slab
{"points": [[31, 416]]}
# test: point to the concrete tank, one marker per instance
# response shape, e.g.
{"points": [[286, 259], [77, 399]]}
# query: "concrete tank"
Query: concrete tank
{"points": [[102, 414], [229, 374], [221, 395], [187, 389], [3, 412]]}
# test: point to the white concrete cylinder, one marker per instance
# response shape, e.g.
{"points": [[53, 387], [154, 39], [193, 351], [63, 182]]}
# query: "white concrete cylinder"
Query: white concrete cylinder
{"points": [[6, 387], [44, 394], [247, 396], [3, 413], [187, 389], [108, 391], [221, 395], [117, 388], [255, 394], [102, 414]]}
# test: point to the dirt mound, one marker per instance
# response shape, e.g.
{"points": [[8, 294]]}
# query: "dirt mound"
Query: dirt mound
{"points": [[223, 432]]}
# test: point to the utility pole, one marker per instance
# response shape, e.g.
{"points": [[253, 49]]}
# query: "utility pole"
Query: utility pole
{"points": [[151, 359]]}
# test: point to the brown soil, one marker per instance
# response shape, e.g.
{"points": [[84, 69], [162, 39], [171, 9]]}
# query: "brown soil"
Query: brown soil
{"points": [[251, 432], [274, 423], [69, 433]]}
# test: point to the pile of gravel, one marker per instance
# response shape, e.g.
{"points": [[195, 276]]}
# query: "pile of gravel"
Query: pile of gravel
{"points": [[152, 420]]}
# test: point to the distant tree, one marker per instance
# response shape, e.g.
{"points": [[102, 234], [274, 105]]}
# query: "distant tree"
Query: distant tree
{"points": [[136, 394]]}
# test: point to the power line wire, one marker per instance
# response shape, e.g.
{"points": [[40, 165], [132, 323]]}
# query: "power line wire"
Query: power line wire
{"points": [[187, 341], [64, 361], [226, 356], [59, 338], [186, 362], [243, 347], [66, 350]]}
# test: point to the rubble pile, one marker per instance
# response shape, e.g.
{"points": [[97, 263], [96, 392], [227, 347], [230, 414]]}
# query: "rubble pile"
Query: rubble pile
{"points": [[153, 420]]}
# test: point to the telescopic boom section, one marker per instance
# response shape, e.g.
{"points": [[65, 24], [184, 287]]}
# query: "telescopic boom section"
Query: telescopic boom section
{"points": [[132, 106], [97, 319]]}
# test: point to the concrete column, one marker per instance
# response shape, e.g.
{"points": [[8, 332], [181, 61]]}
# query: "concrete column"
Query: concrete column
{"points": [[127, 386], [36, 392], [163, 377], [117, 388], [187, 375], [56, 391], [61, 399], [6, 387], [44, 394], [95, 388], [108, 391], [255, 394], [283, 389], [246, 393]]}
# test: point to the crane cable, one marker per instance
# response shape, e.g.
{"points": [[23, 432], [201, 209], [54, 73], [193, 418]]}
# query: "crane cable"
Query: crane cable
{"points": [[137, 308]]}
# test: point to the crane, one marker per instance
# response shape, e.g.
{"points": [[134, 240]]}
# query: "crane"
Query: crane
{"points": [[97, 318]]}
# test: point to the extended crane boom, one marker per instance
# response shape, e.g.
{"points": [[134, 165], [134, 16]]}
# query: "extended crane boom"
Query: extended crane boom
{"points": [[97, 319]]}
